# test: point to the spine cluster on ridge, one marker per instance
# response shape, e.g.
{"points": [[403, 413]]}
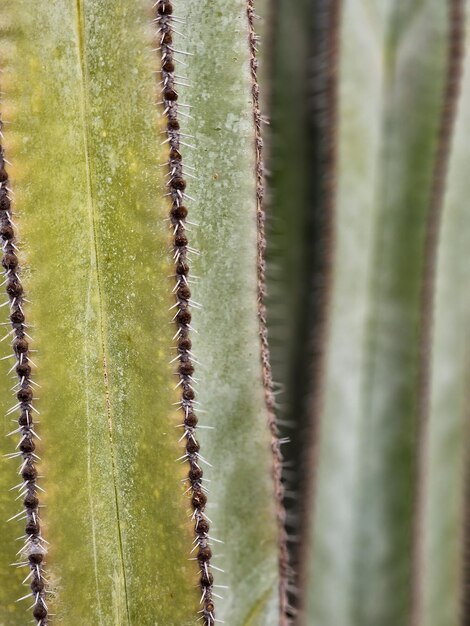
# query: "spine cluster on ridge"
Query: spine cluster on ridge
{"points": [[178, 214], [33, 552]]}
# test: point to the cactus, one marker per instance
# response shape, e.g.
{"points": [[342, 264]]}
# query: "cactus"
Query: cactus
{"points": [[132, 228], [142, 480], [375, 367]]}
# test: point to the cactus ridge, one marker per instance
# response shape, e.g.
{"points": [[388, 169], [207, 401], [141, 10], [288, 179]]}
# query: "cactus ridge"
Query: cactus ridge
{"points": [[33, 552], [285, 572], [455, 56], [178, 214]]}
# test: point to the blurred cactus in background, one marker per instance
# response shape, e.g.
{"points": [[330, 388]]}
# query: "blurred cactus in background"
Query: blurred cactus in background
{"points": [[164, 341], [369, 312]]}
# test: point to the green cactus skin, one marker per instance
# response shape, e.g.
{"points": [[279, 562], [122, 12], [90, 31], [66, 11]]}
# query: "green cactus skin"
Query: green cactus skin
{"points": [[441, 580], [80, 84], [389, 131], [222, 129], [377, 403]]}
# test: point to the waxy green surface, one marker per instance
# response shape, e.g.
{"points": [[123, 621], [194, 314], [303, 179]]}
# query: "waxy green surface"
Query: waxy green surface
{"points": [[80, 88], [227, 344], [84, 144], [445, 499], [391, 67]]}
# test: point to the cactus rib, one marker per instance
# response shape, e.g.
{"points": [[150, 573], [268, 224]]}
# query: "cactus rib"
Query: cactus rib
{"points": [[455, 56], [178, 214], [284, 568], [34, 549]]}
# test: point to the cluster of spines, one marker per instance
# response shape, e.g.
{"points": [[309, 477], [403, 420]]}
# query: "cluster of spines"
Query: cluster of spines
{"points": [[33, 552], [178, 219]]}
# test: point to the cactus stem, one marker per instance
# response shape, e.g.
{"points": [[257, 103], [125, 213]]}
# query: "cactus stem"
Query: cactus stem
{"points": [[284, 567], [455, 55], [34, 550], [182, 317]]}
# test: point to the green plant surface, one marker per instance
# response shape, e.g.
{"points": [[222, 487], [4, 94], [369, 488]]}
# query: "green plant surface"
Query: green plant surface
{"points": [[392, 66], [230, 374], [289, 204], [85, 145], [301, 56], [445, 458], [84, 148]]}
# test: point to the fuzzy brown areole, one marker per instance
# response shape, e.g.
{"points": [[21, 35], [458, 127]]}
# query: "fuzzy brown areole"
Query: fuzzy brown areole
{"points": [[33, 552], [178, 217]]}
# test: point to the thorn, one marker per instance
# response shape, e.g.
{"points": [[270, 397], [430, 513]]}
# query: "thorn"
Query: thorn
{"points": [[187, 145], [189, 54], [17, 515], [29, 595]]}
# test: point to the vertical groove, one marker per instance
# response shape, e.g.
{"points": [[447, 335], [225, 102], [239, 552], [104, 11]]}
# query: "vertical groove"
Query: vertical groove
{"points": [[323, 122], [455, 54], [32, 554], [164, 18], [284, 569], [95, 254]]}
